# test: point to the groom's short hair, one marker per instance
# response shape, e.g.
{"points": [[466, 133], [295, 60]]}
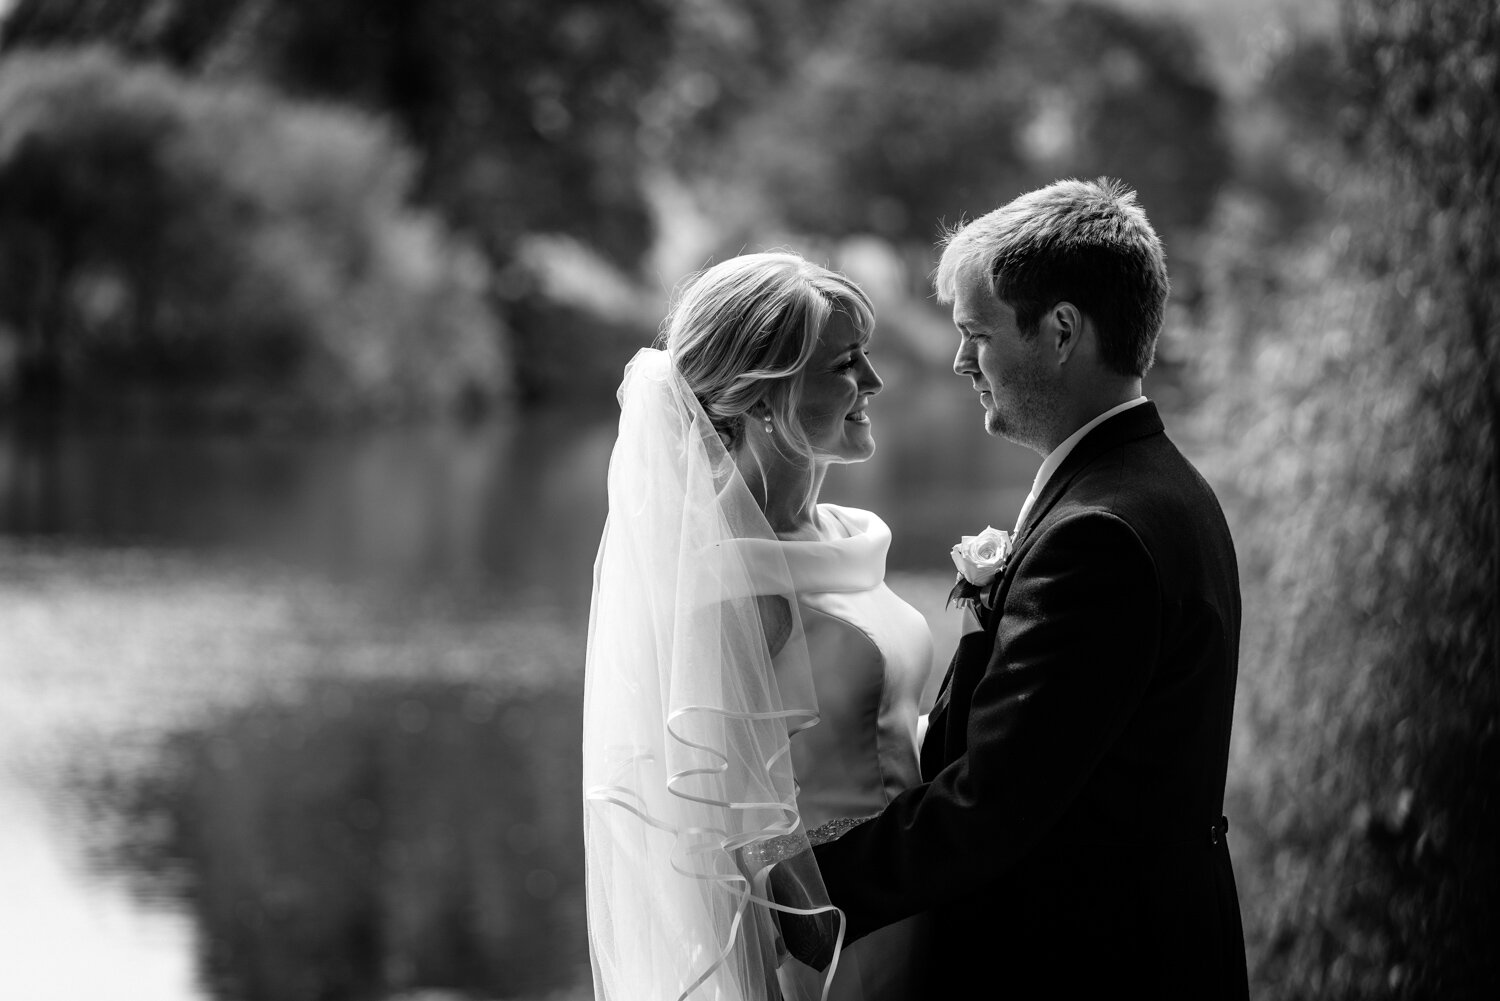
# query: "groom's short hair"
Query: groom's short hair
{"points": [[1084, 242]]}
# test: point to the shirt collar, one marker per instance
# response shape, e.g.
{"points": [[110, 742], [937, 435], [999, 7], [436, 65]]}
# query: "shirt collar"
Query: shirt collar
{"points": [[1057, 455]]}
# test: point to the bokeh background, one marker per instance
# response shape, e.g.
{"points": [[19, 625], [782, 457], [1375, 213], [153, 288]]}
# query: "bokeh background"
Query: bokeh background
{"points": [[311, 316]]}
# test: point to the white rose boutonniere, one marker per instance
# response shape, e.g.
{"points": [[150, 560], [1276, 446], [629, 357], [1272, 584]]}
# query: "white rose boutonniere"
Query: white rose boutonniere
{"points": [[980, 559]]}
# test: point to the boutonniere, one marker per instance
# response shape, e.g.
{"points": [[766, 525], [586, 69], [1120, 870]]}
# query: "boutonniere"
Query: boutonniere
{"points": [[980, 559]]}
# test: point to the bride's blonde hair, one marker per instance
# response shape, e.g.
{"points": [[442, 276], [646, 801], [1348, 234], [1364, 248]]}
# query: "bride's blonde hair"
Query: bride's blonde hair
{"points": [[741, 332]]}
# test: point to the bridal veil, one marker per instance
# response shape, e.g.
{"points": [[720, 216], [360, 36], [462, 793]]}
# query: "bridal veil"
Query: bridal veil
{"points": [[689, 708]]}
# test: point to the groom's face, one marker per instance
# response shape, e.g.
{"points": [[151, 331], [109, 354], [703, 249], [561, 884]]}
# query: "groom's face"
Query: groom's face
{"points": [[1006, 369]]}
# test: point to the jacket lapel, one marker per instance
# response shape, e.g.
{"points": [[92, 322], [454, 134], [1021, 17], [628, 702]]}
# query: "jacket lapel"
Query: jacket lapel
{"points": [[1137, 422]]}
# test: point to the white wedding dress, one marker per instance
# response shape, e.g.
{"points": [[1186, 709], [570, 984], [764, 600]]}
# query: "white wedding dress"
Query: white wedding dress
{"points": [[708, 751], [870, 654]]}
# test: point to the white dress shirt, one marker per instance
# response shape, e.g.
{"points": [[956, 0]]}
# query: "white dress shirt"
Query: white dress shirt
{"points": [[1057, 455]]}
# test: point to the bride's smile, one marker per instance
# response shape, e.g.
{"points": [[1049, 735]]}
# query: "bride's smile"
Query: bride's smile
{"points": [[837, 385]]}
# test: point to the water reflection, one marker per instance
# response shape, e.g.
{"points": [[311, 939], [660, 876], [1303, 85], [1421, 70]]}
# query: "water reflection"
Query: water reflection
{"points": [[303, 710], [452, 504], [505, 503], [71, 933], [368, 839]]}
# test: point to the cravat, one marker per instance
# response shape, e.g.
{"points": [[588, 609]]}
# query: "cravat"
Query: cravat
{"points": [[1025, 510]]}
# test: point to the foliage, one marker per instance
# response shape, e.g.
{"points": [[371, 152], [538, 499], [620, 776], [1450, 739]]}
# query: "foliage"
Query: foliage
{"points": [[524, 117], [727, 58], [173, 32], [791, 120], [1350, 378], [524, 114], [193, 242], [915, 114], [538, 117]]}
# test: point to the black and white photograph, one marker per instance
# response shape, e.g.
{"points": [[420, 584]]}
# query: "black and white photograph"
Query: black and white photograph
{"points": [[749, 500]]}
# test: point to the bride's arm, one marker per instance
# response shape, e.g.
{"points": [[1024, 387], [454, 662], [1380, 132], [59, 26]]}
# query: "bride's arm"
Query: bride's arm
{"points": [[775, 620]]}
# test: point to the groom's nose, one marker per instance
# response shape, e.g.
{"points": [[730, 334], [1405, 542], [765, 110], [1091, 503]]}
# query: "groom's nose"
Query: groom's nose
{"points": [[964, 362]]}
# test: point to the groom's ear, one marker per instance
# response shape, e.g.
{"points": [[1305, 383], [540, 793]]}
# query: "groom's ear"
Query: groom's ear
{"points": [[1064, 328]]}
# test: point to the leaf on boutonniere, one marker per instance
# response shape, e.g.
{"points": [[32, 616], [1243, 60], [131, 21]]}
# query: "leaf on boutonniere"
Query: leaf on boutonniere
{"points": [[963, 591]]}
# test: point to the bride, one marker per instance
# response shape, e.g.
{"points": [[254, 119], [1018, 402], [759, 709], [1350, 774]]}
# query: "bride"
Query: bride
{"points": [[749, 674]]}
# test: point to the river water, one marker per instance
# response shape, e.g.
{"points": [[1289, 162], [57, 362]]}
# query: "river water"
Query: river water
{"points": [[293, 716]]}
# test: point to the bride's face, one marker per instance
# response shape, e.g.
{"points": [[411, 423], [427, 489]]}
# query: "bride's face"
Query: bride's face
{"points": [[836, 388]]}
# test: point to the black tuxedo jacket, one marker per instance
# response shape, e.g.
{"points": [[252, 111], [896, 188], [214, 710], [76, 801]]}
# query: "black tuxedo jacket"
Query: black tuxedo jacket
{"points": [[1067, 838]]}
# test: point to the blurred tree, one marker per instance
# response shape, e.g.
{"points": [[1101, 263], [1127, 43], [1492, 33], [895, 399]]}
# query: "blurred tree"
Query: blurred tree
{"points": [[821, 117], [1427, 102], [728, 57], [209, 244], [1350, 367], [176, 32], [912, 114], [866, 115], [527, 117], [1428, 75], [526, 113]]}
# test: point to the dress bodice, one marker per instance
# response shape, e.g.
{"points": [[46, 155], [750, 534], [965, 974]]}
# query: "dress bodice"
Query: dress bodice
{"points": [[870, 654]]}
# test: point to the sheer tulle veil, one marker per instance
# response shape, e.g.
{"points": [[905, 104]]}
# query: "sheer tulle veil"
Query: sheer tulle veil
{"points": [[688, 714]]}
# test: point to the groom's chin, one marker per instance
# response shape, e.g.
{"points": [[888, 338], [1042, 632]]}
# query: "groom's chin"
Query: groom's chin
{"points": [[996, 427]]}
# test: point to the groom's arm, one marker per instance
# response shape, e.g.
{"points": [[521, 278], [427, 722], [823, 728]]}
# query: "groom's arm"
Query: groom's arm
{"points": [[1074, 651]]}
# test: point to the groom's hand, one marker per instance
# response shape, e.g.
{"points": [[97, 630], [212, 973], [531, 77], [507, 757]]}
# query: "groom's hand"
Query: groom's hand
{"points": [[810, 938]]}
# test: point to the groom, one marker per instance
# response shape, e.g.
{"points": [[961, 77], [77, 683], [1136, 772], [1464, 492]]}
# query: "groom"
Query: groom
{"points": [[1068, 838]]}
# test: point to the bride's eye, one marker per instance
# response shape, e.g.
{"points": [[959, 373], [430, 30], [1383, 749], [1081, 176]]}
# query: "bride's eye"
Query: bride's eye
{"points": [[852, 360]]}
